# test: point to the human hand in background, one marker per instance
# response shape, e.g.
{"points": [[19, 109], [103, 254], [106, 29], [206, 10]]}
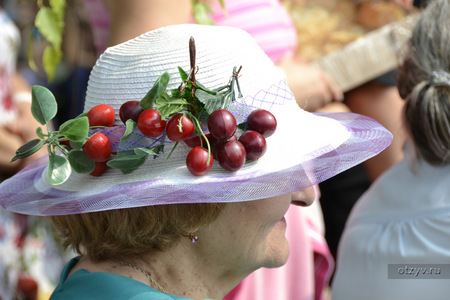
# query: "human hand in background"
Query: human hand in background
{"points": [[19, 131], [131, 18], [15, 134], [312, 87], [9, 143]]}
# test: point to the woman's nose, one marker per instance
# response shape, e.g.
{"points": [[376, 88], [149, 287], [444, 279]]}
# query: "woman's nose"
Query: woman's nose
{"points": [[304, 197]]}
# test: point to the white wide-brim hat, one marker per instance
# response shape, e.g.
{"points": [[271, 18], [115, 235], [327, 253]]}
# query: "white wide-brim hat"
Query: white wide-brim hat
{"points": [[305, 149]]}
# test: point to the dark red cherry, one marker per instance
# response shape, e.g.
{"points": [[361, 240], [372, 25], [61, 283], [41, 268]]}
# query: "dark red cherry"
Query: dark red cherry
{"points": [[231, 155], [214, 143], [254, 144], [262, 121], [130, 110], [222, 124]]}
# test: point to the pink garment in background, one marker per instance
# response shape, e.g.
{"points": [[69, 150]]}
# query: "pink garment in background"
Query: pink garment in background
{"points": [[100, 19], [267, 21], [292, 281]]}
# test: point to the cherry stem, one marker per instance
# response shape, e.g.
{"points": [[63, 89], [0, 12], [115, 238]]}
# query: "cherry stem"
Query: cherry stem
{"points": [[198, 128], [190, 75], [231, 82], [171, 151], [192, 54], [235, 75]]}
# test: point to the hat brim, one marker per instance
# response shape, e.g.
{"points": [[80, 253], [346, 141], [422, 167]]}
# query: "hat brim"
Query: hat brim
{"points": [[286, 167]]}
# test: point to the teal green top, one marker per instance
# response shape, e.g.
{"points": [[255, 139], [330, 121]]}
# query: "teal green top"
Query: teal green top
{"points": [[98, 285]]}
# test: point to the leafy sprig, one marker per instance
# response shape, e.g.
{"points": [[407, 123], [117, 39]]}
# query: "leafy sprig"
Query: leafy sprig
{"points": [[44, 108], [191, 98]]}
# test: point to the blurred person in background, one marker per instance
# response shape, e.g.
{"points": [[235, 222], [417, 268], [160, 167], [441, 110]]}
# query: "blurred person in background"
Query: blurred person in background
{"points": [[28, 253], [403, 219]]}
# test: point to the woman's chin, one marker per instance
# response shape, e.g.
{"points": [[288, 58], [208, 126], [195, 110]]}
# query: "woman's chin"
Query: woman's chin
{"points": [[278, 251]]}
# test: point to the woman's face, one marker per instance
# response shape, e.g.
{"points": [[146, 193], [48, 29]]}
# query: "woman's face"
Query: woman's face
{"points": [[250, 235]]}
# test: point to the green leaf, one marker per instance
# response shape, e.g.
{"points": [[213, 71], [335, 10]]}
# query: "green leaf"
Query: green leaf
{"points": [[222, 5], [127, 161], [130, 126], [210, 101], [59, 7], [75, 130], [49, 24], [30, 53], [154, 93], [242, 126], [82, 115], [28, 149], [145, 151], [40, 133], [183, 74], [59, 169], [201, 11], [43, 104], [157, 149], [80, 163], [51, 58], [168, 106], [76, 145]]}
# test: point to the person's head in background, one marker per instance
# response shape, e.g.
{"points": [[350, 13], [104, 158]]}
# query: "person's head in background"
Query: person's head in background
{"points": [[424, 83]]}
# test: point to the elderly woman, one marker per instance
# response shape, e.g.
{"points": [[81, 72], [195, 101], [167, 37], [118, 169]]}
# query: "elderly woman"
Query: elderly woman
{"points": [[147, 227], [399, 229]]}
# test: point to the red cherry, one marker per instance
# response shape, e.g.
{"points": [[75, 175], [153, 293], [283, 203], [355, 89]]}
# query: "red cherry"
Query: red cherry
{"points": [[100, 167], [150, 123], [262, 121], [197, 161], [179, 127], [101, 115], [130, 110], [254, 144], [231, 155], [222, 124], [97, 147]]}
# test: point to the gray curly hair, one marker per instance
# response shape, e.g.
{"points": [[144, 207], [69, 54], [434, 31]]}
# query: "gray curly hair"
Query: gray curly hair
{"points": [[424, 82]]}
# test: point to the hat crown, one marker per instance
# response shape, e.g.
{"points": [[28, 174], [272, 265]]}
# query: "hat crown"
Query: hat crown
{"points": [[127, 71]]}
